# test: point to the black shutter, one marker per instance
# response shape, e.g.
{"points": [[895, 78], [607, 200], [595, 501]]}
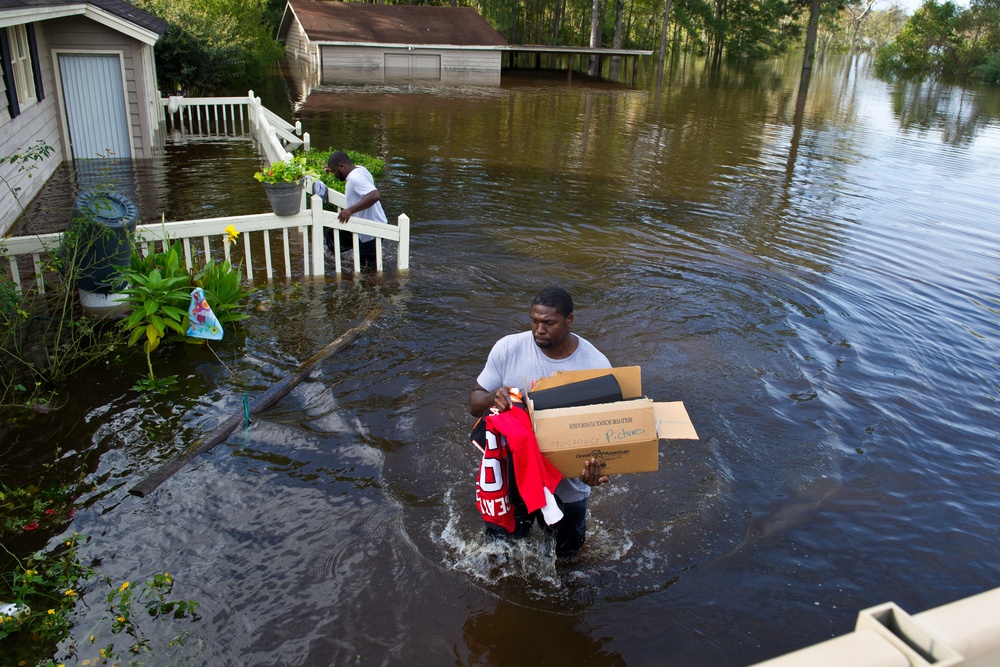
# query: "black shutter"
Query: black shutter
{"points": [[36, 65], [8, 75]]}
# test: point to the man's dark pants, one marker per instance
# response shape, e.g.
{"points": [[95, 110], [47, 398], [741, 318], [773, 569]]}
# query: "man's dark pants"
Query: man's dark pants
{"points": [[570, 531]]}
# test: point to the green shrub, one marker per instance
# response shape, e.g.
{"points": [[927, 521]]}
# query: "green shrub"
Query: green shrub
{"points": [[223, 290], [990, 70], [159, 293], [315, 160], [44, 590], [45, 337]]}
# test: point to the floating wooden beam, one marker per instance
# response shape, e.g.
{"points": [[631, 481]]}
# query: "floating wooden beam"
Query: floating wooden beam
{"points": [[262, 402]]}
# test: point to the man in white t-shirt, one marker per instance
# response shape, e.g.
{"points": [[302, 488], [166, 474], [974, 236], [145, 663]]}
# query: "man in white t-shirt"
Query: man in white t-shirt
{"points": [[519, 360], [362, 200]]}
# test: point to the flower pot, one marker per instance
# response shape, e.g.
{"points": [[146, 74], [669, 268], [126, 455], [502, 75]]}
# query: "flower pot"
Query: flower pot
{"points": [[285, 198]]}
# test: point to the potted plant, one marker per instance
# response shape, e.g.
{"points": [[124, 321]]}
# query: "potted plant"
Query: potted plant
{"points": [[283, 184]]}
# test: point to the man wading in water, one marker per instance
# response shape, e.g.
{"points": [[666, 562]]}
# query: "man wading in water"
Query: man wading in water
{"points": [[363, 201], [529, 356]]}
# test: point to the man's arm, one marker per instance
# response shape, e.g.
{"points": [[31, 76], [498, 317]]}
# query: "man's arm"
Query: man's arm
{"points": [[481, 400], [367, 201]]}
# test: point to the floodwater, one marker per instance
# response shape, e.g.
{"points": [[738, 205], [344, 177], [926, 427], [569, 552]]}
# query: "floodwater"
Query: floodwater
{"points": [[821, 289]]}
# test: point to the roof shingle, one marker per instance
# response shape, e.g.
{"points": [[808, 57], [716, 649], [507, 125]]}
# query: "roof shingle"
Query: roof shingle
{"points": [[359, 22], [119, 8]]}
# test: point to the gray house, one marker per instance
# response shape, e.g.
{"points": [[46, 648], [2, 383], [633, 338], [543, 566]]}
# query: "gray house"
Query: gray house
{"points": [[79, 75], [375, 43]]}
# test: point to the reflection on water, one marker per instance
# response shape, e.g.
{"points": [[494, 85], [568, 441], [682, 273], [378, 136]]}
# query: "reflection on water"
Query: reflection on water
{"points": [[956, 115], [828, 317], [192, 180]]}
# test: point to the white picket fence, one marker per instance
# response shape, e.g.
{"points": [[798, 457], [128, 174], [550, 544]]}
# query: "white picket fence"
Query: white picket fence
{"points": [[201, 117], [275, 246], [272, 245]]}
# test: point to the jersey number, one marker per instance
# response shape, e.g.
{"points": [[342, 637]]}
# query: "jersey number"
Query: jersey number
{"points": [[491, 465]]}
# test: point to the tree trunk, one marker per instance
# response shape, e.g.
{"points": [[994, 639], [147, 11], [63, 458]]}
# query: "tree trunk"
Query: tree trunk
{"points": [[556, 21], [513, 23], [661, 57], [810, 55], [858, 23], [720, 34], [595, 24], [800, 100], [617, 40]]}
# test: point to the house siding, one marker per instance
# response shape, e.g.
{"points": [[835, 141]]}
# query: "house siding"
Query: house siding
{"points": [[38, 121], [80, 35], [367, 64], [470, 67], [297, 43]]}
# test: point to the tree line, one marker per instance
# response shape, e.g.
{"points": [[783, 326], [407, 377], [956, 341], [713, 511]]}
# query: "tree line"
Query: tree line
{"points": [[945, 39], [217, 46]]}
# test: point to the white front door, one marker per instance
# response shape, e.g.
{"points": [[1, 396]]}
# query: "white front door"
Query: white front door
{"points": [[94, 99]]}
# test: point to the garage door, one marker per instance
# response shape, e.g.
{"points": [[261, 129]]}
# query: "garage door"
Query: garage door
{"points": [[409, 66]]}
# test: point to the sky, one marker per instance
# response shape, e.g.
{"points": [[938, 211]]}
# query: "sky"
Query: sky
{"points": [[911, 5]]}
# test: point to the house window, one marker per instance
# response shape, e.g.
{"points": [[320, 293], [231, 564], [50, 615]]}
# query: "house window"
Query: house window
{"points": [[20, 62], [21, 72]]}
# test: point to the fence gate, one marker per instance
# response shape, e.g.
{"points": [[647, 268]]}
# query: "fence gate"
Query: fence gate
{"points": [[96, 114]]}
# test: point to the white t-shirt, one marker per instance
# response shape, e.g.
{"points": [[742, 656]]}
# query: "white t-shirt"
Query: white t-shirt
{"points": [[517, 361], [359, 183]]}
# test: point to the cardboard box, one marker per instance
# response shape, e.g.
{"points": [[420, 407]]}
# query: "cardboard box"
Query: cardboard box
{"points": [[624, 435]]}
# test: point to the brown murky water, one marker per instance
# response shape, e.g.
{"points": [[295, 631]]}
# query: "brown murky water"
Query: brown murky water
{"points": [[822, 294]]}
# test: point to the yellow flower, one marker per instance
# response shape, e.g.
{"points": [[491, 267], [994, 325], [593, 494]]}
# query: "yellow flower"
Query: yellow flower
{"points": [[104, 653], [70, 593], [50, 612], [121, 619], [123, 587], [91, 639], [233, 234]]}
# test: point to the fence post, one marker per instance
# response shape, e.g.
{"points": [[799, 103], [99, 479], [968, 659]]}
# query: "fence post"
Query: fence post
{"points": [[317, 235], [403, 251]]}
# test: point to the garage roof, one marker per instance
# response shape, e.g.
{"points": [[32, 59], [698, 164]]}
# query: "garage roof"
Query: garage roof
{"points": [[332, 21]]}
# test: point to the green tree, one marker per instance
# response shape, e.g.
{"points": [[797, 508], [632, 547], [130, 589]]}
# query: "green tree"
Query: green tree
{"points": [[979, 30], [214, 46], [943, 39], [882, 28], [760, 28], [925, 43]]}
